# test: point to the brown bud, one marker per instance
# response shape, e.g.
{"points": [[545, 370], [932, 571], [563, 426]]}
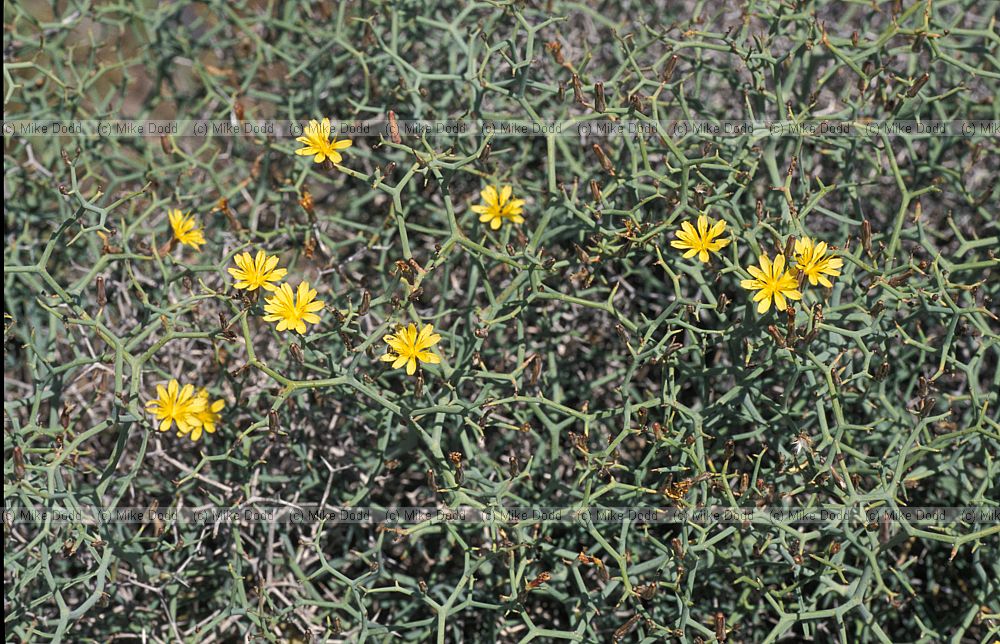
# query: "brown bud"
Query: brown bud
{"points": [[603, 158], [720, 627], [18, 463], [595, 191], [668, 71], [394, 129], [920, 82], [102, 296], [866, 237], [600, 104], [578, 90], [625, 628]]}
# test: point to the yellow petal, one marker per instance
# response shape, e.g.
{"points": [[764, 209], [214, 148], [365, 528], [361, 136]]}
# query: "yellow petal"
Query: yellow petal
{"points": [[428, 357]]}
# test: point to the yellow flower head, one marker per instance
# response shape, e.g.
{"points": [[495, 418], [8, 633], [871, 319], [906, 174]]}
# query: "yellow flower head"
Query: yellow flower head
{"points": [[407, 346], [772, 281], [293, 310], [256, 272], [208, 417], [812, 259], [318, 144], [186, 229], [702, 241], [176, 404], [499, 206]]}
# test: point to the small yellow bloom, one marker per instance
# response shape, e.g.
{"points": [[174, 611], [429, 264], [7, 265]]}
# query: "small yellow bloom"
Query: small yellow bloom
{"points": [[702, 241], [176, 404], [812, 259], [208, 417], [292, 311], [318, 143], [186, 229], [407, 346], [772, 281], [499, 206], [257, 272]]}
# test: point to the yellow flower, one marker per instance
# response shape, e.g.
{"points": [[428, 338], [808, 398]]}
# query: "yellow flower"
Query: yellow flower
{"points": [[292, 311], [702, 241], [208, 417], [318, 143], [499, 206], [771, 281], [254, 272], [812, 259], [407, 346], [186, 229], [175, 404]]}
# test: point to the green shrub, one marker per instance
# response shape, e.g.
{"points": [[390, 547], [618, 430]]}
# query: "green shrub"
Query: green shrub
{"points": [[584, 361]]}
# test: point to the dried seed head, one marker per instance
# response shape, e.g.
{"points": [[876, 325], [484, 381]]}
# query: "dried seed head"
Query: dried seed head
{"points": [[554, 47], [306, 201], [539, 580]]}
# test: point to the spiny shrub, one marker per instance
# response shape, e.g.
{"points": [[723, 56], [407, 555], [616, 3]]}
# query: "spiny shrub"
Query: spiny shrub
{"points": [[617, 303]]}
